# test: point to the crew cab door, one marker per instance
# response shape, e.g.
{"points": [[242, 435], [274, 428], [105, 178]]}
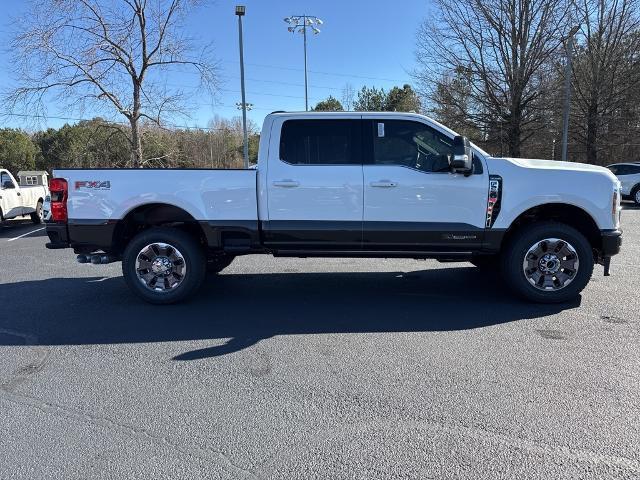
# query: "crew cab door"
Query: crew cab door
{"points": [[412, 201], [314, 183], [11, 202]]}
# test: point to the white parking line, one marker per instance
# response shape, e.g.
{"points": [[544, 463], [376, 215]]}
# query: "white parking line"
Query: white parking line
{"points": [[25, 234]]}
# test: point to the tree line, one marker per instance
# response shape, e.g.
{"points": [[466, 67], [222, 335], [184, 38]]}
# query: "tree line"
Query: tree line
{"points": [[495, 71], [99, 143]]}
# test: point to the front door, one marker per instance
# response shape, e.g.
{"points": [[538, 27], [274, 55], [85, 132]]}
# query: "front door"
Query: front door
{"points": [[412, 201], [11, 202], [314, 184]]}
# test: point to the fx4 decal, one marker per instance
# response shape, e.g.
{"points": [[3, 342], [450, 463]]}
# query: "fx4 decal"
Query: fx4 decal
{"points": [[93, 185]]}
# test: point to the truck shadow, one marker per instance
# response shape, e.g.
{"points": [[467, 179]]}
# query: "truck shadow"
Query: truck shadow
{"points": [[14, 228], [246, 308]]}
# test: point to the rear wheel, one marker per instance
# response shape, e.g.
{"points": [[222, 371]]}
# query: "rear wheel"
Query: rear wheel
{"points": [[635, 194], [37, 216], [548, 262], [164, 265]]}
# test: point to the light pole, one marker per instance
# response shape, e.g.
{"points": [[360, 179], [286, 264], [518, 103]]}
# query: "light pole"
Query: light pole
{"points": [[240, 11], [299, 23], [567, 92]]}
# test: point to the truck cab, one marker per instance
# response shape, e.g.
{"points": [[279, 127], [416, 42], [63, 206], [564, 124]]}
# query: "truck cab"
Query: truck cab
{"points": [[374, 184]]}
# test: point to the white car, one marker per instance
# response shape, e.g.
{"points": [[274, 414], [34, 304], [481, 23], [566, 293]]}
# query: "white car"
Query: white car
{"points": [[17, 200], [347, 184], [629, 176]]}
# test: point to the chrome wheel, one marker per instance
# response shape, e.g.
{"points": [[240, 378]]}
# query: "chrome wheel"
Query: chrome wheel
{"points": [[636, 197], [160, 267], [551, 264]]}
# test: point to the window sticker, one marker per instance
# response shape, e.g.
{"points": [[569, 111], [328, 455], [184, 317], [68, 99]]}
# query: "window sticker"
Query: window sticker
{"points": [[380, 130]]}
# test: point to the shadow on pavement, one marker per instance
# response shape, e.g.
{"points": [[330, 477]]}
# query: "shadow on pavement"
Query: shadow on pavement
{"points": [[15, 228], [247, 308]]}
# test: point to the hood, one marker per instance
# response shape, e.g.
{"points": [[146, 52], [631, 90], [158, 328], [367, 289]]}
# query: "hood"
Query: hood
{"points": [[558, 165]]}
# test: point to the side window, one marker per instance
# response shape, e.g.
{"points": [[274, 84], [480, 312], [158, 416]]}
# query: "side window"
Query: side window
{"points": [[635, 169], [411, 144], [4, 178], [624, 170], [614, 169], [320, 142]]}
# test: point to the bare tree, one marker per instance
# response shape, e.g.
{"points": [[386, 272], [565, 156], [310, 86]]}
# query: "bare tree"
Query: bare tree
{"points": [[503, 47], [107, 56], [606, 73]]}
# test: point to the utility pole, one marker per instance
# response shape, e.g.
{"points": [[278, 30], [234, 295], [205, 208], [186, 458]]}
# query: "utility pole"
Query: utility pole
{"points": [[567, 91], [240, 11]]}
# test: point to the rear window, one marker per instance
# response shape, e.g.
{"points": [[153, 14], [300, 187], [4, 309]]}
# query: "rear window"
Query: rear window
{"points": [[320, 142]]}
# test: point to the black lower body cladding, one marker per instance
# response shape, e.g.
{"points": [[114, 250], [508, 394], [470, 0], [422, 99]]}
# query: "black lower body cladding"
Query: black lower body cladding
{"points": [[611, 242]]}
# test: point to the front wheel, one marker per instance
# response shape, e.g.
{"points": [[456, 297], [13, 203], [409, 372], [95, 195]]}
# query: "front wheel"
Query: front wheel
{"points": [[548, 262], [164, 265]]}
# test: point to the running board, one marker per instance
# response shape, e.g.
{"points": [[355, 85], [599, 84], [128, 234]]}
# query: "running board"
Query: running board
{"points": [[420, 254]]}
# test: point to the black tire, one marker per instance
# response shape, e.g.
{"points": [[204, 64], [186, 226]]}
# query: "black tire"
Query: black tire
{"points": [[217, 264], [36, 217], [189, 250], [487, 263], [634, 195], [513, 259]]}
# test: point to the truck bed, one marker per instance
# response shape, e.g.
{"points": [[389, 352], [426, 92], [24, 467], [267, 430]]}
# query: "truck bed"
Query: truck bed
{"points": [[207, 195]]}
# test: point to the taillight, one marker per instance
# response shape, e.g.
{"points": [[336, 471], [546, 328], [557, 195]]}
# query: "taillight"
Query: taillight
{"points": [[59, 193]]}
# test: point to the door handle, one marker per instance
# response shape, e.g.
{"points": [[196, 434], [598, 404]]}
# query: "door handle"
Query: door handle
{"points": [[286, 183], [384, 184]]}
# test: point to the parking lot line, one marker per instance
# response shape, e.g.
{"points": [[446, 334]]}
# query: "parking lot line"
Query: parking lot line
{"points": [[25, 234]]}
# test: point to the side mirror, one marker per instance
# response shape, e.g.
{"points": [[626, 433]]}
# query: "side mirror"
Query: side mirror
{"points": [[462, 160], [8, 184]]}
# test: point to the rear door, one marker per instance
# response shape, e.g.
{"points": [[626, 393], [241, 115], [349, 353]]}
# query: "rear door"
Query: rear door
{"points": [[11, 202], [314, 183], [412, 201]]}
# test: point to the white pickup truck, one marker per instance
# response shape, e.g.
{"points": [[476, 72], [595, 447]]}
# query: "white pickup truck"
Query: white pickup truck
{"points": [[346, 185], [18, 200]]}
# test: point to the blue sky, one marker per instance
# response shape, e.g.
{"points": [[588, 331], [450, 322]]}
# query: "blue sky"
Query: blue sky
{"points": [[363, 42]]}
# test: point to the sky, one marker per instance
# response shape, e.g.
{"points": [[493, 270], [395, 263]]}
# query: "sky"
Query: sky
{"points": [[362, 42]]}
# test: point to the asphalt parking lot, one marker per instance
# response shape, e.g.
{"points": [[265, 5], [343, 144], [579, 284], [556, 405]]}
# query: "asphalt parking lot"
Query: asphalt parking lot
{"points": [[314, 368]]}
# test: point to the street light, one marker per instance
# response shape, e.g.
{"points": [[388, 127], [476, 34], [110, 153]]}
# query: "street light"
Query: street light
{"points": [[240, 11], [300, 23], [567, 91]]}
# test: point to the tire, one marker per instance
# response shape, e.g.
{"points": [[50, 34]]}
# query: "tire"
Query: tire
{"points": [[635, 195], [177, 263], [217, 264], [539, 263], [37, 216], [487, 263]]}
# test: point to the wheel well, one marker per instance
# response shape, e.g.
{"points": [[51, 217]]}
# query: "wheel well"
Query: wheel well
{"points": [[563, 213], [154, 215]]}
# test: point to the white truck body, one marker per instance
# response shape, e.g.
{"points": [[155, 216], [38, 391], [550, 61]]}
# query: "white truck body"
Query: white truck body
{"points": [[347, 184], [18, 200]]}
